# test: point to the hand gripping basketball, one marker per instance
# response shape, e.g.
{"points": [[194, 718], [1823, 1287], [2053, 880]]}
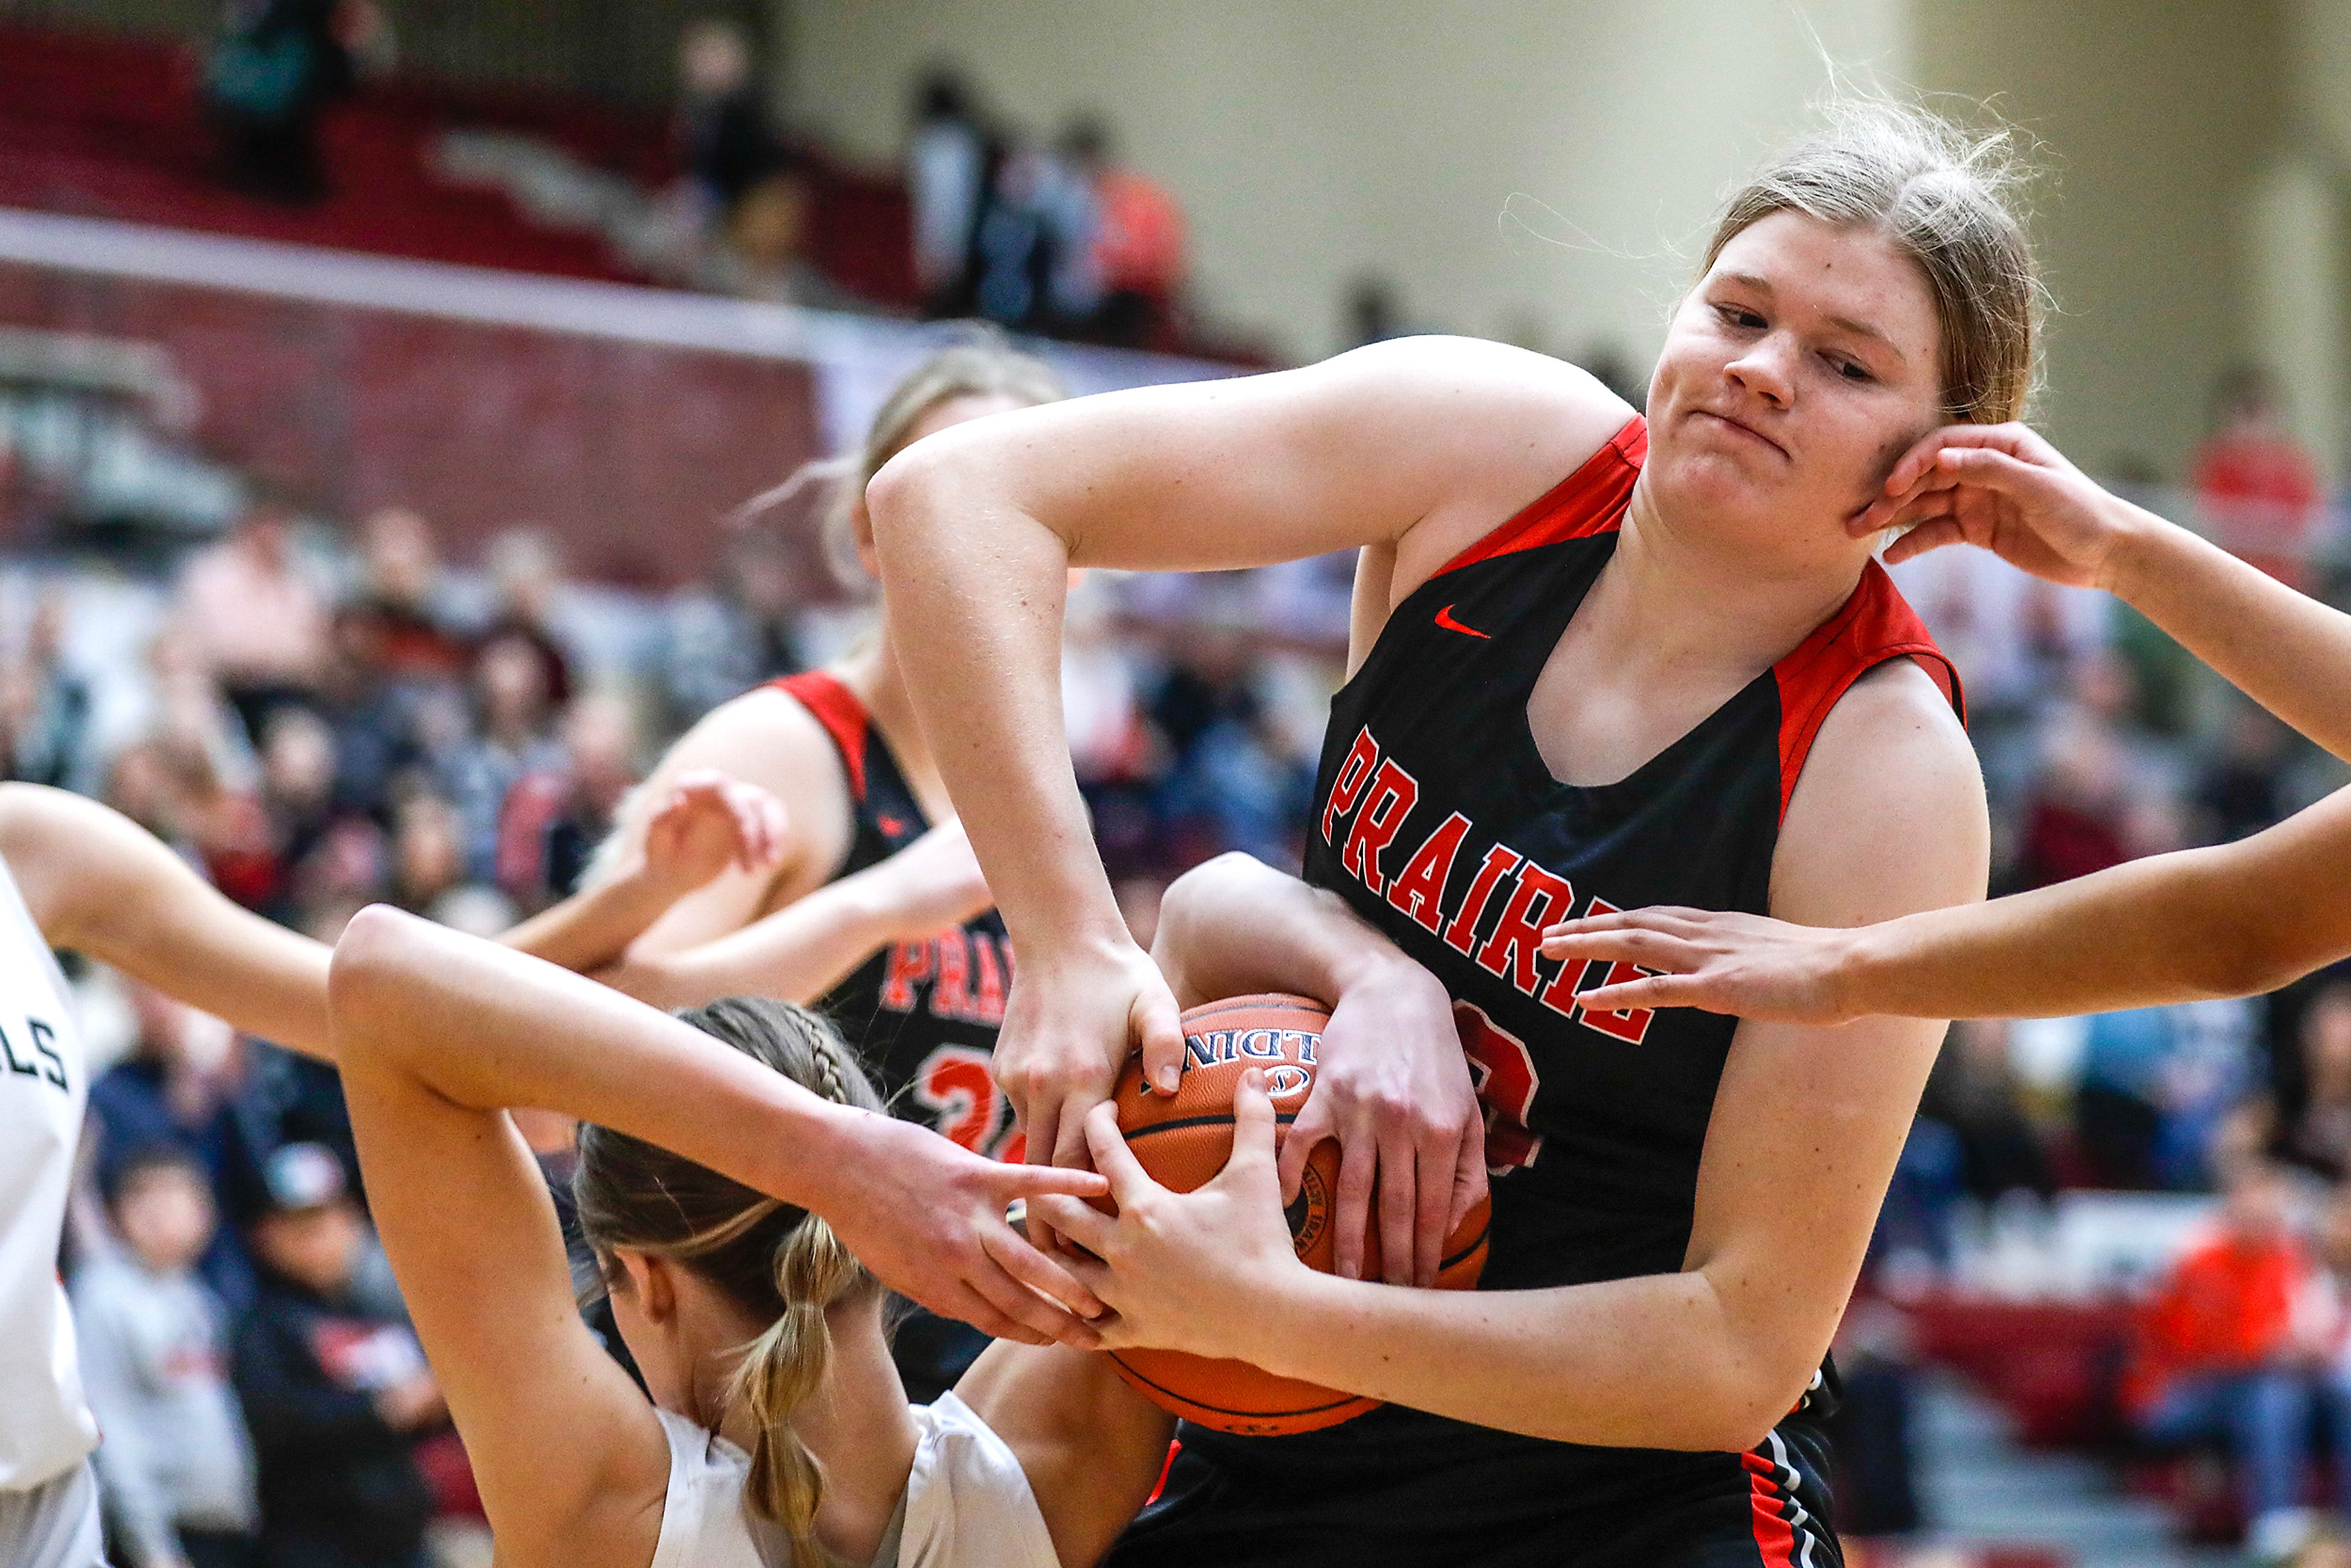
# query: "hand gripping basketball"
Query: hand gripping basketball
{"points": [[1201, 1237]]}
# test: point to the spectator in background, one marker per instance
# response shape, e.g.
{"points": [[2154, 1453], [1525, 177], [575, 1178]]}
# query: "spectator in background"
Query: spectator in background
{"points": [[254, 619], [403, 588], [1135, 260], [373, 715], [553, 820], [2074, 816], [298, 798], [1226, 785], [176, 1090], [526, 572], [2242, 790], [1024, 234], [2156, 1084], [334, 1393], [513, 705], [2223, 1346], [721, 640], [950, 158], [45, 706], [188, 717], [723, 135], [428, 852], [2318, 1136], [274, 66], [176, 1465], [2256, 489], [1974, 1092]]}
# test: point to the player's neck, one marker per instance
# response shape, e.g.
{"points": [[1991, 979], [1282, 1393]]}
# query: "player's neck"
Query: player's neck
{"points": [[1673, 598], [857, 1425]]}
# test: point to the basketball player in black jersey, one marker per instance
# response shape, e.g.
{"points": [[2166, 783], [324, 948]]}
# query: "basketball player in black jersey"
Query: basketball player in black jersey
{"points": [[1596, 658]]}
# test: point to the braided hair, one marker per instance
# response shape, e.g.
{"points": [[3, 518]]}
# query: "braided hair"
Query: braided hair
{"points": [[781, 1265]]}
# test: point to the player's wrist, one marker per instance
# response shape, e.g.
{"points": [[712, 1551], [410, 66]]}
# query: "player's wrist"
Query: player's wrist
{"points": [[2135, 543], [1285, 1315], [819, 1165], [1864, 968]]}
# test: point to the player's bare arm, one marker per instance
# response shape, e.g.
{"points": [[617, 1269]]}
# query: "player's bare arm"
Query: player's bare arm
{"points": [[1092, 1446], [98, 884], [802, 951], [977, 529]]}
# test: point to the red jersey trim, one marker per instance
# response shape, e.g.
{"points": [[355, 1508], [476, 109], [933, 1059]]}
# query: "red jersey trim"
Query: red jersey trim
{"points": [[844, 719], [1589, 501], [1774, 1533], [1875, 625]]}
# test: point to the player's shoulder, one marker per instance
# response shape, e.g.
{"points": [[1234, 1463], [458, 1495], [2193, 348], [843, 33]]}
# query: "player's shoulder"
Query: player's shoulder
{"points": [[1508, 424], [1475, 379], [765, 736], [1889, 814]]}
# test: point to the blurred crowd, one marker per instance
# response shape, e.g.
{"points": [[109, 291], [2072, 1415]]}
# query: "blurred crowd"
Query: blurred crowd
{"points": [[1053, 235]]}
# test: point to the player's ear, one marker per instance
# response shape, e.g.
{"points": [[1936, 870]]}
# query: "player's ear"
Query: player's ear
{"points": [[652, 1281]]}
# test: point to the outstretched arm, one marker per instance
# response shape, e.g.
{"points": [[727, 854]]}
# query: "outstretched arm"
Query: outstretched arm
{"points": [[2231, 921], [500, 1030], [471, 1234], [97, 883], [1092, 1446], [2006, 489], [1393, 1085]]}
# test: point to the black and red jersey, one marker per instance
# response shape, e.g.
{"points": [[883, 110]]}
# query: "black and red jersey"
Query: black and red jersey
{"points": [[1438, 819], [924, 1015], [1439, 822]]}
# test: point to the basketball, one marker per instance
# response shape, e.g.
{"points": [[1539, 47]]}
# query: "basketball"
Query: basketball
{"points": [[1184, 1140]]}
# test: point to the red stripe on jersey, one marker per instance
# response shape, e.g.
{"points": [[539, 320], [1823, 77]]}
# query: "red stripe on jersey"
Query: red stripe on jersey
{"points": [[1875, 625], [836, 708], [1589, 501], [1775, 1538]]}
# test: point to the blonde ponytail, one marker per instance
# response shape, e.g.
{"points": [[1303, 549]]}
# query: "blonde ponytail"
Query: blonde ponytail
{"points": [[782, 1368]]}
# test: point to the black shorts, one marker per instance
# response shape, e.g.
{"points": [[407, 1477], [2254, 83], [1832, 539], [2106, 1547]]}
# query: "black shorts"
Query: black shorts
{"points": [[1517, 1506]]}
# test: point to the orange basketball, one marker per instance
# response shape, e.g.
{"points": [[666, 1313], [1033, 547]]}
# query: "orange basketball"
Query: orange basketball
{"points": [[1184, 1140]]}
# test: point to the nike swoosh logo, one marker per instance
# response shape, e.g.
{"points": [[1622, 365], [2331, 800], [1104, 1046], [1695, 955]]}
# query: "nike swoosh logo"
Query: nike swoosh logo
{"points": [[1445, 618]]}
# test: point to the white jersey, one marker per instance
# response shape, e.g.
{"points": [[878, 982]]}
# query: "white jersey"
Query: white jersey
{"points": [[967, 1503], [45, 1424]]}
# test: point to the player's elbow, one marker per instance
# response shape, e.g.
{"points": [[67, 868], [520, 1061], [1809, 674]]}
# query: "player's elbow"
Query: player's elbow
{"points": [[1750, 1412], [2248, 947], [902, 494], [370, 962], [1188, 908], [2249, 958]]}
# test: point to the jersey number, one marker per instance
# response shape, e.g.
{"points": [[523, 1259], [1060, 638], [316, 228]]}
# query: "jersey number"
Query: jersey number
{"points": [[1504, 1076], [954, 1085]]}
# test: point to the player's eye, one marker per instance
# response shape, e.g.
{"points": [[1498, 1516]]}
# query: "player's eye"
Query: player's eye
{"points": [[1851, 370], [1741, 317]]}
